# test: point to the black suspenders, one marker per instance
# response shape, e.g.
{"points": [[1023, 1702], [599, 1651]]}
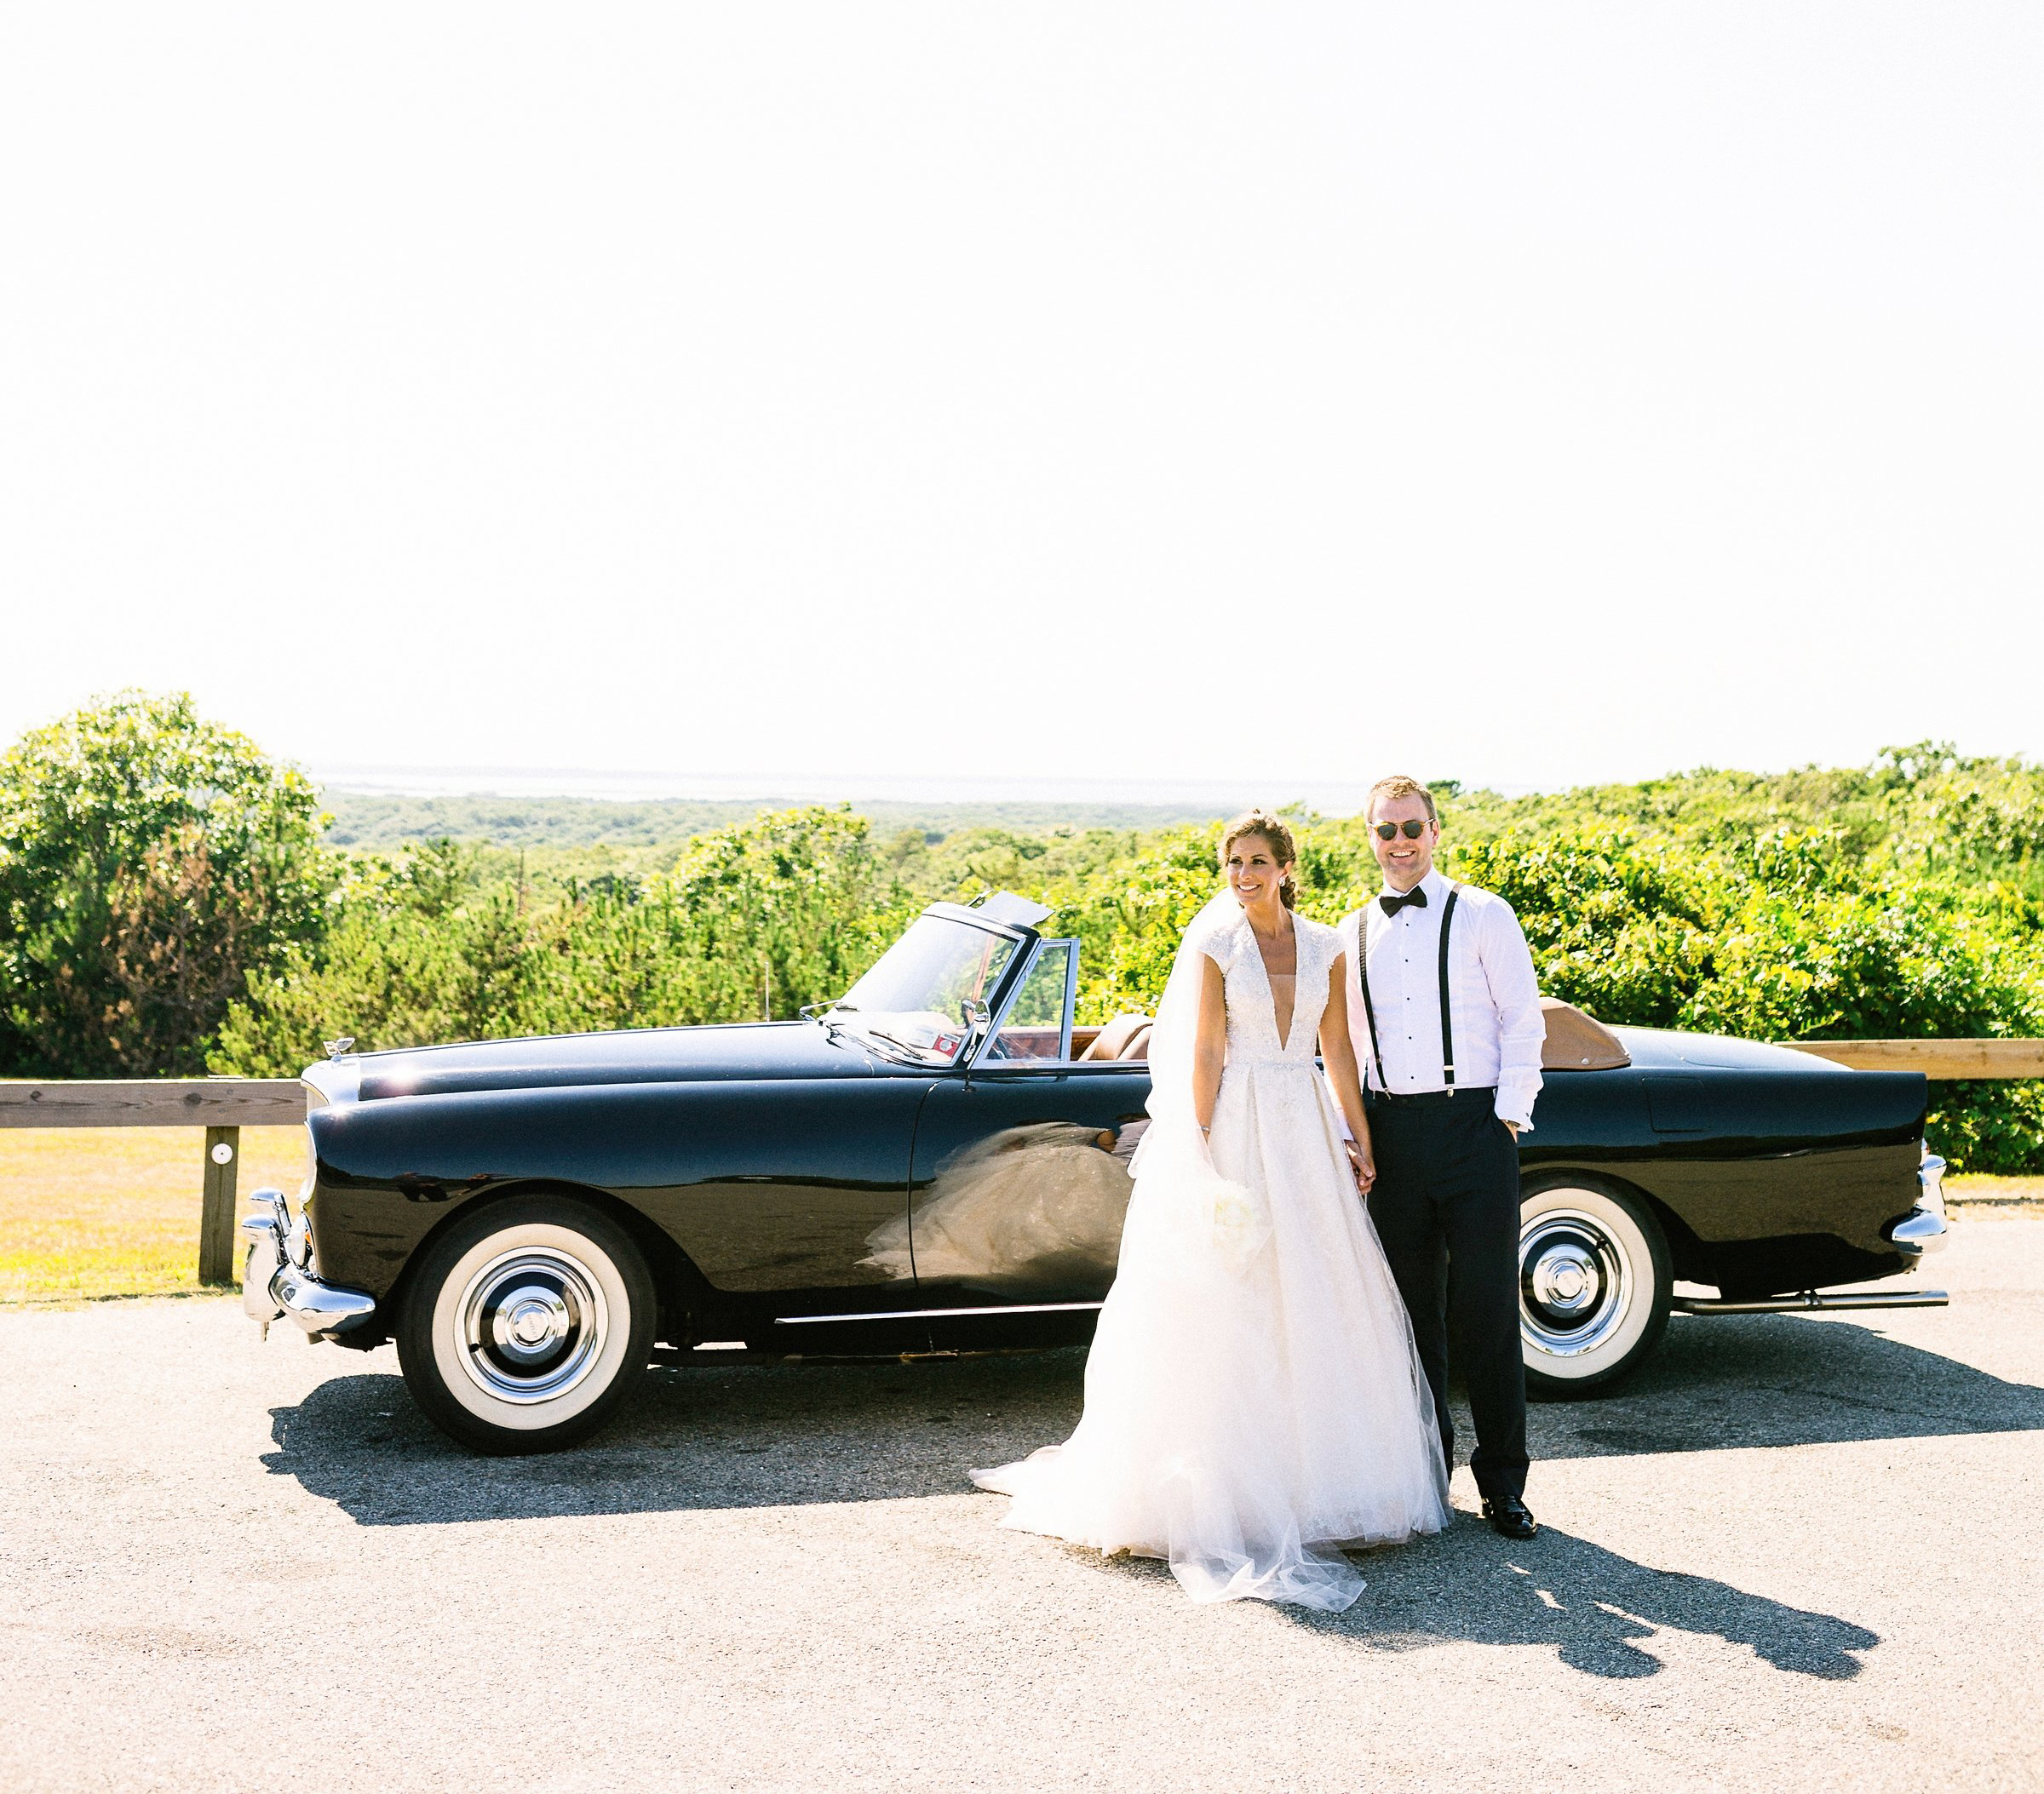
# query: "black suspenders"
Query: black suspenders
{"points": [[1370, 1011], [1447, 1009]]}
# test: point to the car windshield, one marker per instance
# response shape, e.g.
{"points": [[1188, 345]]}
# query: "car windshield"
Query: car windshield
{"points": [[913, 1002]]}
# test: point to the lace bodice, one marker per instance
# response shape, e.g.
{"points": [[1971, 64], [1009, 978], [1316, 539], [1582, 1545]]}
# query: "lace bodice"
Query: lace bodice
{"points": [[1252, 1008]]}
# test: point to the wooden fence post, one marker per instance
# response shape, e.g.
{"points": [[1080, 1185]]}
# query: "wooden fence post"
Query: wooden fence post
{"points": [[216, 1215]]}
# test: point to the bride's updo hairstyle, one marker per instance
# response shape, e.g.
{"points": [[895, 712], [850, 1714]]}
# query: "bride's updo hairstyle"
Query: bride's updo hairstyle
{"points": [[1274, 831]]}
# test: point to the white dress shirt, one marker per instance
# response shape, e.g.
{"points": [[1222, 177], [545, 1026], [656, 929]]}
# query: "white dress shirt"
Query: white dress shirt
{"points": [[1493, 994]]}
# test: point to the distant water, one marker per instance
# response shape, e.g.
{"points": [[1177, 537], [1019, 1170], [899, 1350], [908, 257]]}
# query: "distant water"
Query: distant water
{"points": [[1202, 797]]}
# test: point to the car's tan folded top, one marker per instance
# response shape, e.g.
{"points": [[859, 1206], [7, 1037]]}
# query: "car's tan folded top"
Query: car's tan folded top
{"points": [[1578, 1041]]}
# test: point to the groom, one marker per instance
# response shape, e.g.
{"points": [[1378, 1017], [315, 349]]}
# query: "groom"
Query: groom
{"points": [[1444, 1012]]}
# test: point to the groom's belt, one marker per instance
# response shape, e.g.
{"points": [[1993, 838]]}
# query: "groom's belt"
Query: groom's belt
{"points": [[1433, 1098]]}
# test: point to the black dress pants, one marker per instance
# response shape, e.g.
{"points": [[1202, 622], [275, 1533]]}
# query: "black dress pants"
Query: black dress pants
{"points": [[1446, 1207]]}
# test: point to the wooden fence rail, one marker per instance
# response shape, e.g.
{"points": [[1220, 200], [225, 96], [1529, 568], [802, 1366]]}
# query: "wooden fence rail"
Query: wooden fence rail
{"points": [[1937, 1060], [223, 1106]]}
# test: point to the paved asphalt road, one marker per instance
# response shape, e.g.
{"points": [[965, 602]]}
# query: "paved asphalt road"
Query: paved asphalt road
{"points": [[1795, 1552]]}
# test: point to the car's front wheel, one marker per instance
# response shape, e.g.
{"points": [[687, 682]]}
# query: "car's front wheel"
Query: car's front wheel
{"points": [[526, 1324], [1595, 1285]]}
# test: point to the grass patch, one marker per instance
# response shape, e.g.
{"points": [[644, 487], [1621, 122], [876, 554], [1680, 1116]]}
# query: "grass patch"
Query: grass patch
{"points": [[92, 1212], [2011, 1193]]}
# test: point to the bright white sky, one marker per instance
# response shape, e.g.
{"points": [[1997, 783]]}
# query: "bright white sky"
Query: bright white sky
{"points": [[1148, 393]]}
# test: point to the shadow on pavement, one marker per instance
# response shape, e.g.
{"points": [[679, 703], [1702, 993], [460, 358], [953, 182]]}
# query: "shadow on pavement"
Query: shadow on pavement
{"points": [[721, 1436], [1592, 1605], [776, 1435]]}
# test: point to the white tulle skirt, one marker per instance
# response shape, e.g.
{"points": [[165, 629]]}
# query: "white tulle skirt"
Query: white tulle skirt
{"points": [[1254, 1405]]}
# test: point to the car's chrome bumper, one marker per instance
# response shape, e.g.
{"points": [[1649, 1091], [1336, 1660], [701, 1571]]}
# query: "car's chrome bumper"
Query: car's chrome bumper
{"points": [[1923, 1230], [276, 1282]]}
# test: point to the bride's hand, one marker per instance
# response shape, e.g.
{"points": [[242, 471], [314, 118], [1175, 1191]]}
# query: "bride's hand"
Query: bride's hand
{"points": [[1364, 1166]]}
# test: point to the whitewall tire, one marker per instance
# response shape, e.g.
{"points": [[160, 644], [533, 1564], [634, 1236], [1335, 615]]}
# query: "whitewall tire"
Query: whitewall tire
{"points": [[1595, 1285], [526, 1324]]}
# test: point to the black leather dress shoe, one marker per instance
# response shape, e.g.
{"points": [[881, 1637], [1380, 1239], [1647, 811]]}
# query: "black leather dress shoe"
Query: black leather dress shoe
{"points": [[1510, 1516]]}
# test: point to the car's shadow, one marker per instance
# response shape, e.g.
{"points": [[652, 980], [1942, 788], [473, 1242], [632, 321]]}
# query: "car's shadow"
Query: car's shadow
{"points": [[782, 1434], [1723, 1382], [766, 1435]]}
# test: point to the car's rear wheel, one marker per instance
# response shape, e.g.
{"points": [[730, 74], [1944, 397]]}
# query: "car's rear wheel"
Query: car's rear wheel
{"points": [[1595, 1285], [526, 1324]]}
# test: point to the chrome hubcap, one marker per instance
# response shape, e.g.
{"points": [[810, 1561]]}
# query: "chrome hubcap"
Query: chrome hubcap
{"points": [[530, 1323], [533, 1323], [1574, 1283], [1564, 1279]]}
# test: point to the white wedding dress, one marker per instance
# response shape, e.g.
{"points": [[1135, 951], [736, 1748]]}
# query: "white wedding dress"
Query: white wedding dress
{"points": [[1253, 1400]]}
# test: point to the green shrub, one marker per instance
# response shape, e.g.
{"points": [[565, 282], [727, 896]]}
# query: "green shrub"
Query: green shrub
{"points": [[1615, 928], [150, 861]]}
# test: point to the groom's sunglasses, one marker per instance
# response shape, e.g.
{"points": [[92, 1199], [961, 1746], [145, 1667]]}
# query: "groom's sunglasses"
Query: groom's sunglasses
{"points": [[1390, 831]]}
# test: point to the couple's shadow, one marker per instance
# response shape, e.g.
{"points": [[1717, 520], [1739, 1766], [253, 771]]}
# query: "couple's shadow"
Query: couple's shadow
{"points": [[1593, 1606]]}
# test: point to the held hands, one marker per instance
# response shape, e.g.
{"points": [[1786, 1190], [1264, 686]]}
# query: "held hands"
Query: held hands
{"points": [[1364, 1166]]}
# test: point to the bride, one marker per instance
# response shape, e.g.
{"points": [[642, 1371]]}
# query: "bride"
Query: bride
{"points": [[1253, 1401]]}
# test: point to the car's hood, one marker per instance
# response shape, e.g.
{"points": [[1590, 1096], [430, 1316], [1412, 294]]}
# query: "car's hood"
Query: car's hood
{"points": [[754, 1051]]}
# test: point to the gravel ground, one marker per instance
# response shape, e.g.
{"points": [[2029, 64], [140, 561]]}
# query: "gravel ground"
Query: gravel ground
{"points": [[1794, 1546]]}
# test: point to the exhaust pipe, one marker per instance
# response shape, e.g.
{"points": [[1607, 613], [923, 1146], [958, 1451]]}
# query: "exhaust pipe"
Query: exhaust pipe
{"points": [[1810, 1299]]}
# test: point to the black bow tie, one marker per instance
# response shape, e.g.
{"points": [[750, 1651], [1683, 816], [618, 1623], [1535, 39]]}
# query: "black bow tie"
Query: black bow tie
{"points": [[1392, 904]]}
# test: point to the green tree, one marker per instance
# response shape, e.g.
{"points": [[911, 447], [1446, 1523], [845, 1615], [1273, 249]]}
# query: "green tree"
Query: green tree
{"points": [[149, 861]]}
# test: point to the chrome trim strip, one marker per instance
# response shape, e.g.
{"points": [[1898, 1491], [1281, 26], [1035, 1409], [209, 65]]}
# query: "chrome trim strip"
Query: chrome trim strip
{"points": [[937, 1314], [1809, 1299], [1071, 1002]]}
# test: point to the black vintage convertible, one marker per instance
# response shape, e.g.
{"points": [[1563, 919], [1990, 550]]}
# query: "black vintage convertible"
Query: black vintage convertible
{"points": [[938, 1161]]}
